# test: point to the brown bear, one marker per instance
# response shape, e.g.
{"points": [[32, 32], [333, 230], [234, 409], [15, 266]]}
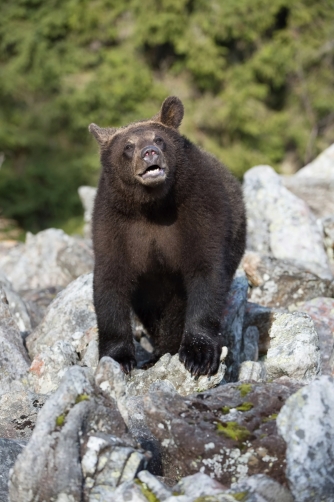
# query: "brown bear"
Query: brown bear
{"points": [[168, 233]]}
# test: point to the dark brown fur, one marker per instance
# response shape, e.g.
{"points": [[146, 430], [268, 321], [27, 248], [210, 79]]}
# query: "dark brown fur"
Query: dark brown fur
{"points": [[167, 248]]}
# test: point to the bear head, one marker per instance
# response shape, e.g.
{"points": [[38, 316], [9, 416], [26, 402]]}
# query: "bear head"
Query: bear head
{"points": [[144, 154]]}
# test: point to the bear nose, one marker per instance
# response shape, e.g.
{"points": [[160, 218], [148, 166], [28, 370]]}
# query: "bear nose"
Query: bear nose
{"points": [[150, 154]]}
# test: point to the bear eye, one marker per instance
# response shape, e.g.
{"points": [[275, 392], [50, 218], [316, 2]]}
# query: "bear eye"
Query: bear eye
{"points": [[159, 141], [128, 147]]}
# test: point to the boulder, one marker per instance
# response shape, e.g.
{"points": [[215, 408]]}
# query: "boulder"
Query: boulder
{"points": [[328, 231], [79, 448], [69, 318], [279, 283], [36, 302], [321, 310], [280, 224], [87, 195], [14, 360], [306, 424], [9, 450], [228, 433], [17, 306], [232, 325], [261, 488], [294, 348], [49, 258], [18, 412]]}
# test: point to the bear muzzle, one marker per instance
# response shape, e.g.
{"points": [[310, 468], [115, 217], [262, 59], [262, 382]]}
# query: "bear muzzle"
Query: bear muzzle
{"points": [[154, 170]]}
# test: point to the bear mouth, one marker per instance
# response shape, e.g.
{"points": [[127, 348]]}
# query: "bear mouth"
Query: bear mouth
{"points": [[153, 172]]}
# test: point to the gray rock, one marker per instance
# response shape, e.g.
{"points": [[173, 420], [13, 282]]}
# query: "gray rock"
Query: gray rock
{"points": [[49, 258], [261, 488], [9, 450], [79, 447], [306, 423], [17, 306], [318, 193], [262, 318], [169, 369], [50, 365], [232, 325], [69, 318], [201, 485], [250, 344], [328, 230], [294, 348], [14, 361], [87, 195], [321, 310], [228, 433], [278, 283], [160, 491], [18, 412], [280, 224], [252, 371], [320, 168], [36, 302]]}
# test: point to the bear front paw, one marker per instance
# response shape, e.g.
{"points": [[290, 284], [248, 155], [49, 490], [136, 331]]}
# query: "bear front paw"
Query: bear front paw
{"points": [[125, 357], [200, 355]]}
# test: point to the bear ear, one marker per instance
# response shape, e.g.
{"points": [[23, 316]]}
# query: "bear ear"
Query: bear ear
{"points": [[101, 134], [171, 112]]}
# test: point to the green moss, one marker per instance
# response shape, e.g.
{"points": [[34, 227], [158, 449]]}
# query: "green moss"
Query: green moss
{"points": [[271, 417], [82, 397], [233, 431], [146, 491], [240, 496], [206, 498], [246, 406], [60, 420], [245, 389], [226, 410]]}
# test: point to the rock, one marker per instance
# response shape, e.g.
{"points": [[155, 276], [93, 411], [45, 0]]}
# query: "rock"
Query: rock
{"points": [[252, 371], [261, 318], [170, 368], [228, 433], [9, 450], [49, 367], [87, 195], [278, 283], [250, 344], [159, 490], [280, 224], [318, 193], [294, 348], [320, 168], [14, 361], [69, 318], [306, 423], [321, 310], [79, 449], [17, 306], [18, 413], [49, 258], [328, 230], [261, 488], [232, 325], [200, 485], [37, 301]]}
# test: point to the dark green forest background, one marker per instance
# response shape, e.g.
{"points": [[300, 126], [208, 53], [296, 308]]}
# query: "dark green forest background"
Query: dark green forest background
{"points": [[256, 78]]}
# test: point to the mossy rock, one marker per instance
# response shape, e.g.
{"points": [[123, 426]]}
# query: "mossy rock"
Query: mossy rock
{"points": [[233, 431]]}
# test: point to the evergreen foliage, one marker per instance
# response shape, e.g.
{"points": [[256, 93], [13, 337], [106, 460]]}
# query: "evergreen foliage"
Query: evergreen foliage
{"points": [[256, 78]]}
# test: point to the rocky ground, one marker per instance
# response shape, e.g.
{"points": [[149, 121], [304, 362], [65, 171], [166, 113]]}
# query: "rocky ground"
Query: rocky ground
{"points": [[73, 428]]}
